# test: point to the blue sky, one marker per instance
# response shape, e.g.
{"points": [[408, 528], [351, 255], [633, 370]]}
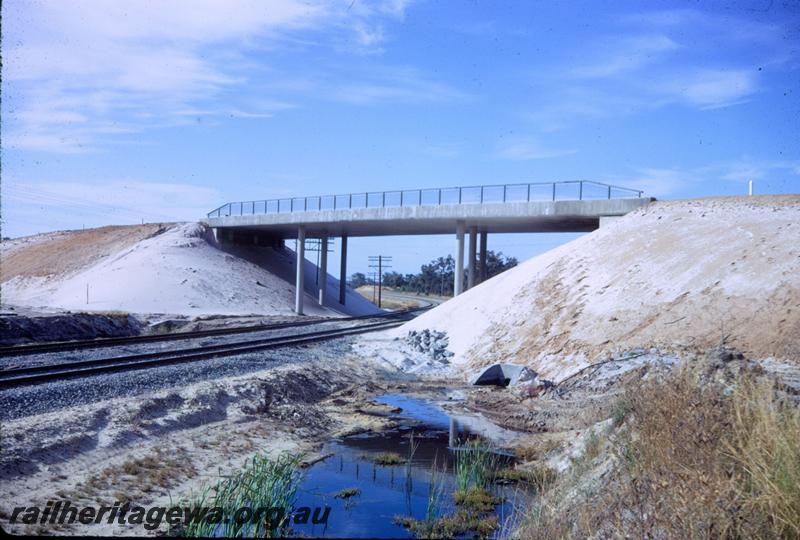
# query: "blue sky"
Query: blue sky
{"points": [[118, 112]]}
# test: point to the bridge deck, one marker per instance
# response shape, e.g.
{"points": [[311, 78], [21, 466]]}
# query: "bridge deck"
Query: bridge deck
{"points": [[551, 216], [572, 207]]}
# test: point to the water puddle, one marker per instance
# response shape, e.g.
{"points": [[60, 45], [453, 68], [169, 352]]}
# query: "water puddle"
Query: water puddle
{"points": [[380, 493]]}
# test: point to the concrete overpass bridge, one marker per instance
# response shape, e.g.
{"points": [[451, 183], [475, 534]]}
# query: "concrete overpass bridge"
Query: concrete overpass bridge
{"points": [[572, 206]]}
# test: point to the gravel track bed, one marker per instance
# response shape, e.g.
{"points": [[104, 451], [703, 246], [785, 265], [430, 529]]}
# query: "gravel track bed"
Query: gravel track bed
{"points": [[31, 400], [52, 358]]}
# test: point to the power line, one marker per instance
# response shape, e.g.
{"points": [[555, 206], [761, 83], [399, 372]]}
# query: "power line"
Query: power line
{"points": [[48, 198]]}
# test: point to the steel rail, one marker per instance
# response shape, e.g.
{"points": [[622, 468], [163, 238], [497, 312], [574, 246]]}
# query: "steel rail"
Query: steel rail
{"points": [[97, 343], [84, 368]]}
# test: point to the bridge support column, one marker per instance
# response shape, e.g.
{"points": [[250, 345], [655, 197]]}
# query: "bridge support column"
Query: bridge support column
{"points": [[300, 281], [343, 272], [482, 255], [323, 269], [473, 241], [458, 273]]}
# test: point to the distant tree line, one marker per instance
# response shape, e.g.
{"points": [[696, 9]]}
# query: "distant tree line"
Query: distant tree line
{"points": [[436, 277]]}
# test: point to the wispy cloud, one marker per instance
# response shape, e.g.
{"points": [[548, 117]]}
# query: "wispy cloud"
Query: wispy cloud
{"points": [[73, 69], [713, 88], [745, 169], [528, 148], [653, 60], [659, 182], [404, 83], [778, 175], [718, 30], [623, 55]]}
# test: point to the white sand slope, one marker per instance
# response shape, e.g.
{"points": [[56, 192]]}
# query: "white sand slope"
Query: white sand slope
{"points": [[178, 270], [677, 275]]}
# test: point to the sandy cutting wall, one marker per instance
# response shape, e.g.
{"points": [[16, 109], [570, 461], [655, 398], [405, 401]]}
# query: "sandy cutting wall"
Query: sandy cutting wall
{"points": [[676, 274], [174, 269]]}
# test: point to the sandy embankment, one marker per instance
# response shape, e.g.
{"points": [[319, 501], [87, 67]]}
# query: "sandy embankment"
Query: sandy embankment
{"points": [[677, 275], [169, 268]]}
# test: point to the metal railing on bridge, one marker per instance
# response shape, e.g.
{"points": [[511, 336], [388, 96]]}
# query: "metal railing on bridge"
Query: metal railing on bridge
{"points": [[502, 193]]}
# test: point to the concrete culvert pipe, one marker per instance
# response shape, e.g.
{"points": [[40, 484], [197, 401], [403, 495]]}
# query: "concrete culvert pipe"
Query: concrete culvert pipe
{"points": [[503, 375]]}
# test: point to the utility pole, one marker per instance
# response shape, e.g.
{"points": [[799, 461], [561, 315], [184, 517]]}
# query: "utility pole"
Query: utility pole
{"points": [[374, 279], [380, 262], [315, 245]]}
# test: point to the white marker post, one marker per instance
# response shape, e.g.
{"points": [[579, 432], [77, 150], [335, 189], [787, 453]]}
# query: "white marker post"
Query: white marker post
{"points": [[749, 187]]}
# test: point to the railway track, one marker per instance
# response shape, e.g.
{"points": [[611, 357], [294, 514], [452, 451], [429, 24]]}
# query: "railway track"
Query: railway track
{"points": [[74, 345], [44, 373]]}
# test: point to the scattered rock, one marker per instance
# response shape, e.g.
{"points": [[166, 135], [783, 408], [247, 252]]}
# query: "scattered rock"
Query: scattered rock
{"points": [[724, 354], [432, 343]]}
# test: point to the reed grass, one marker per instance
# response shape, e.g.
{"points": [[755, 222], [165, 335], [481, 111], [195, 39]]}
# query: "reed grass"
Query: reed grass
{"points": [[474, 465], [263, 483]]}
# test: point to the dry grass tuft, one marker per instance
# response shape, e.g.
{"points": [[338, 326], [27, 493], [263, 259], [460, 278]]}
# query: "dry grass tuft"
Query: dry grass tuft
{"points": [[541, 477], [696, 458], [388, 458], [765, 445]]}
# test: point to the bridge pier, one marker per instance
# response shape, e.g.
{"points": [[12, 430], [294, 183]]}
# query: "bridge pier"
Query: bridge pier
{"points": [[483, 270], [343, 272], [473, 241], [300, 281], [458, 273], [323, 269]]}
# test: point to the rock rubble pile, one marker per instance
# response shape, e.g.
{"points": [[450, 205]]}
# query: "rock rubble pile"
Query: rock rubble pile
{"points": [[432, 343]]}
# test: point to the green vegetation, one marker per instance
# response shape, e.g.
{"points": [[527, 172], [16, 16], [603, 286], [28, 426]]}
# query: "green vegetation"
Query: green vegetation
{"points": [[436, 277], [457, 524], [435, 490], [388, 458], [592, 448], [476, 499], [474, 465], [347, 493], [619, 411], [474, 469], [541, 477], [262, 483], [427, 527]]}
